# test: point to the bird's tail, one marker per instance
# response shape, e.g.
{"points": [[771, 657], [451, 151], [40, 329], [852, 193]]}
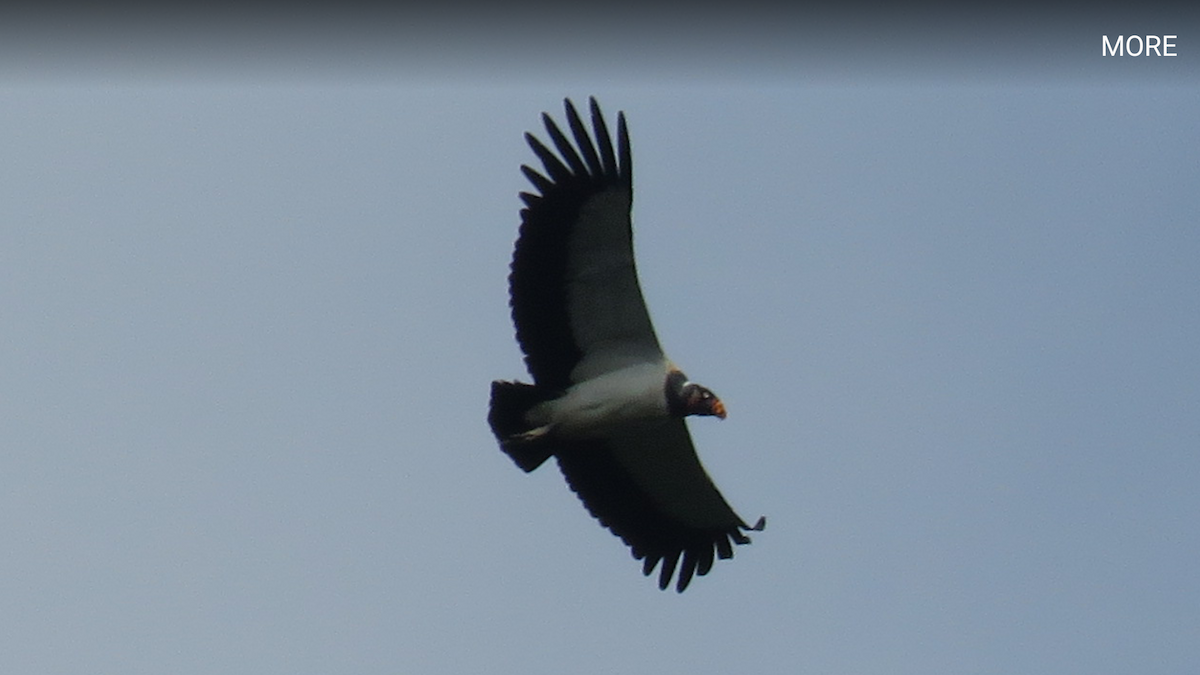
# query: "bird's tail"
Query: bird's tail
{"points": [[506, 414]]}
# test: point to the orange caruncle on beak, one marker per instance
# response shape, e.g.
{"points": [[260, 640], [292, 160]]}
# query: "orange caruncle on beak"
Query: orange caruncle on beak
{"points": [[718, 408]]}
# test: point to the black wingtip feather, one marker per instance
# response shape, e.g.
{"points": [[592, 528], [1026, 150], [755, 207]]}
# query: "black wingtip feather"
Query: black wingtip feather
{"points": [[705, 563], [554, 166], [724, 548], [668, 570], [539, 181], [626, 154], [565, 148], [579, 131], [687, 570], [607, 158]]}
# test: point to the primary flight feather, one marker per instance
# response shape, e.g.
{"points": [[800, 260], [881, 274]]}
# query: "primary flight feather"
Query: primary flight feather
{"points": [[605, 401]]}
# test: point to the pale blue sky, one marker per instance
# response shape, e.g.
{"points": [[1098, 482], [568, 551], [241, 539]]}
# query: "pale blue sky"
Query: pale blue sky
{"points": [[250, 322]]}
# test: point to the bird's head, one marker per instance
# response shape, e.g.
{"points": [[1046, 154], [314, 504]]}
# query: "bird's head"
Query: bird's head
{"points": [[688, 398], [699, 400]]}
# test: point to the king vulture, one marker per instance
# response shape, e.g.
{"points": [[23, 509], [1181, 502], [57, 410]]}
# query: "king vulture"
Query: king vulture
{"points": [[606, 402]]}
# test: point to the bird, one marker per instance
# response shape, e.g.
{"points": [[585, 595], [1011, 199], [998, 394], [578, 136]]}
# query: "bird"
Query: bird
{"points": [[605, 401]]}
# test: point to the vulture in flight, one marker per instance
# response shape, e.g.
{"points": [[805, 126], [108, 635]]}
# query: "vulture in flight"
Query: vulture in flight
{"points": [[605, 401]]}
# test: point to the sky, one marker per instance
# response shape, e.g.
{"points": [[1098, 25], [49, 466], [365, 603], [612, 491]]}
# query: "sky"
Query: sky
{"points": [[943, 273]]}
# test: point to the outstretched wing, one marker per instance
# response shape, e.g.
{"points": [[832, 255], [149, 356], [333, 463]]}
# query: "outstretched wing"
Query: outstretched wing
{"points": [[647, 485], [576, 302]]}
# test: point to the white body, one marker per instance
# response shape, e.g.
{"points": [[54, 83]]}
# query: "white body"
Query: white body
{"points": [[616, 399]]}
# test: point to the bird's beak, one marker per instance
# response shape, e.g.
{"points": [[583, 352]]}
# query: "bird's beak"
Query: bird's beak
{"points": [[718, 409]]}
